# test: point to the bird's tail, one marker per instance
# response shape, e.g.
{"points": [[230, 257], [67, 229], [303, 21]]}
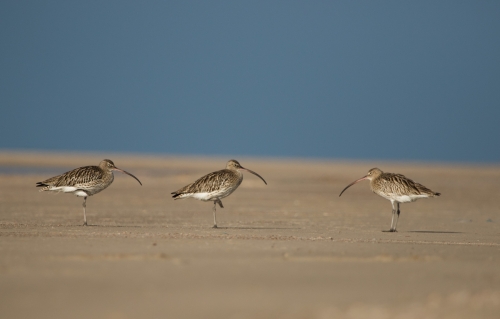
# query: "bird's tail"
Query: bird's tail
{"points": [[437, 194], [176, 195], [45, 186]]}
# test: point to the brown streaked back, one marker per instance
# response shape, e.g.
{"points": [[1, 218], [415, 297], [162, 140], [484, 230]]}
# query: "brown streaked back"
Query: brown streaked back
{"points": [[213, 182], [81, 175], [391, 183]]}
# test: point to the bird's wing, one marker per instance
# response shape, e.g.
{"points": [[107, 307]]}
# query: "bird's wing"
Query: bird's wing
{"points": [[208, 183], [78, 176], [402, 185]]}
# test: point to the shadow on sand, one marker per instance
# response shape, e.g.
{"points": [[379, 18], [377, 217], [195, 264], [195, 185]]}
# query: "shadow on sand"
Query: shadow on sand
{"points": [[110, 226], [257, 228], [427, 232], [434, 232]]}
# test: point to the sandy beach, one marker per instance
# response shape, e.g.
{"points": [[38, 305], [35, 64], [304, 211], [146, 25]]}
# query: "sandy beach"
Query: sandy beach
{"points": [[291, 249]]}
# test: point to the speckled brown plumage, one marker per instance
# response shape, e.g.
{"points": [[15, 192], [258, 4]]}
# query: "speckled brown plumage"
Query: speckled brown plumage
{"points": [[215, 186], [83, 181], [220, 183], [390, 183], [90, 179], [395, 187]]}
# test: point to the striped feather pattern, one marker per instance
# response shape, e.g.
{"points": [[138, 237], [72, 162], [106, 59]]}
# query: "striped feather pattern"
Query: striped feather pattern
{"points": [[218, 184], [91, 179], [397, 184]]}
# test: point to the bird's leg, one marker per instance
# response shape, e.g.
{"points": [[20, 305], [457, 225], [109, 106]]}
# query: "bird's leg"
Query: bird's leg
{"points": [[220, 203], [393, 228], [214, 210], [397, 218], [84, 206], [217, 201]]}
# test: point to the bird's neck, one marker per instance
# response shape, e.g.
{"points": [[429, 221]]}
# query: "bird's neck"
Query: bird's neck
{"points": [[238, 174]]}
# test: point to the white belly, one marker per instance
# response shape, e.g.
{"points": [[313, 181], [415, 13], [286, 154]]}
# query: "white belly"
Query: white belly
{"points": [[204, 196], [81, 193], [213, 195], [402, 198], [64, 189], [69, 189]]}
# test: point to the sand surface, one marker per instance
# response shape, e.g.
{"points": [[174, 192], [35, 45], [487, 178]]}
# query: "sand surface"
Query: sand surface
{"points": [[291, 249]]}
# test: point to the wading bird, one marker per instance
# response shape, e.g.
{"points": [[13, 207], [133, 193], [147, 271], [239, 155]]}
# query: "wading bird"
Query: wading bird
{"points": [[215, 186], [395, 187], [83, 181]]}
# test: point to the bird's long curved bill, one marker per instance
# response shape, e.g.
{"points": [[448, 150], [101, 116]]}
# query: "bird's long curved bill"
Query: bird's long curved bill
{"points": [[128, 174], [246, 169], [358, 180]]}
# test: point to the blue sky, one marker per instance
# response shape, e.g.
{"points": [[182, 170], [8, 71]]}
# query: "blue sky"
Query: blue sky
{"points": [[395, 80]]}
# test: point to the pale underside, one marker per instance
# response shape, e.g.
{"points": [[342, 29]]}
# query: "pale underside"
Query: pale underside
{"points": [[209, 196], [70, 189], [401, 198]]}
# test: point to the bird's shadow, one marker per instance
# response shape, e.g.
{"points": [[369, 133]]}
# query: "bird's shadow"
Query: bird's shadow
{"points": [[275, 228], [227, 227], [111, 226], [427, 232], [435, 232]]}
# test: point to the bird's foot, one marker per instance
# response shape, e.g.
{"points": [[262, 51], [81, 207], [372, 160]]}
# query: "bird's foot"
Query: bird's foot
{"points": [[214, 226], [85, 224]]}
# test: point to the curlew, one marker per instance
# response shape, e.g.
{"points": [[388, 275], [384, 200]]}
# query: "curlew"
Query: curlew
{"points": [[83, 181], [395, 187], [215, 186]]}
